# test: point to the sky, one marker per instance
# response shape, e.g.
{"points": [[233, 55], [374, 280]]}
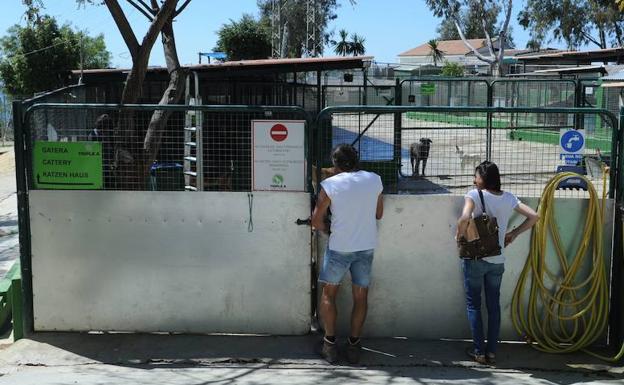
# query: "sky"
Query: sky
{"points": [[389, 26]]}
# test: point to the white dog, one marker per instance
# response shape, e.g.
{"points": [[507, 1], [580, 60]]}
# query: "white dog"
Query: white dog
{"points": [[467, 159]]}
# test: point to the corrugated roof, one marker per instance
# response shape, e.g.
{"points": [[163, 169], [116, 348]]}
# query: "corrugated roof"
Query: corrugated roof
{"points": [[448, 47], [249, 63], [613, 85], [598, 54], [615, 76], [577, 69]]}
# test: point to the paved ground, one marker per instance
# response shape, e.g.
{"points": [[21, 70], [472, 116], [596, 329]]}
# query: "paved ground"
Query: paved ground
{"points": [[184, 359], [9, 242]]}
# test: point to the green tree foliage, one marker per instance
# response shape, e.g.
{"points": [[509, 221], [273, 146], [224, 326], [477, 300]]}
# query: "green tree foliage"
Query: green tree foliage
{"points": [[577, 22], [435, 52], [343, 46], [470, 19], [40, 55], [294, 13], [452, 69], [244, 39], [357, 45], [482, 10]]}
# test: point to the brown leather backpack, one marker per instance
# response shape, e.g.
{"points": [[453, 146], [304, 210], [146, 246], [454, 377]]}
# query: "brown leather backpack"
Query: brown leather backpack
{"points": [[481, 238]]}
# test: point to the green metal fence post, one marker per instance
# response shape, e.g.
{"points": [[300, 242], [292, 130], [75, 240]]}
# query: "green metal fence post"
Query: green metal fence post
{"points": [[17, 309], [22, 167], [616, 319], [398, 127], [488, 128]]}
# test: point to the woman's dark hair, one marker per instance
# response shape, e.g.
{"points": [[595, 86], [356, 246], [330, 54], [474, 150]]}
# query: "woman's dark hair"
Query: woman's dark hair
{"points": [[345, 157], [488, 171]]}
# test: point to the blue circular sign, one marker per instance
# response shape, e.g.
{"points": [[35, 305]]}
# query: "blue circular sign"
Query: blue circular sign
{"points": [[572, 141]]}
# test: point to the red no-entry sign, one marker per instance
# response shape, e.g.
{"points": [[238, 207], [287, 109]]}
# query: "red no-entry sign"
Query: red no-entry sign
{"points": [[279, 132]]}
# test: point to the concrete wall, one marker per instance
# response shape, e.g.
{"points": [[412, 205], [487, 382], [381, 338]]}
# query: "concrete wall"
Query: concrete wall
{"points": [[186, 262], [417, 279], [170, 261]]}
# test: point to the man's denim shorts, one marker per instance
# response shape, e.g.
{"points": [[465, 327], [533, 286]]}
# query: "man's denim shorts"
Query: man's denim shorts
{"points": [[336, 264]]}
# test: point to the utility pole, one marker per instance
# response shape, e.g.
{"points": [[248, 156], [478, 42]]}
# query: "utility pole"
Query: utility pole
{"points": [[81, 59], [276, 28], [312, 46]]}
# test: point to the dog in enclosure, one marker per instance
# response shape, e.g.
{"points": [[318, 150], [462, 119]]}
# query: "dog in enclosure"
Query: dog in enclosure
{"points": [[419, 151], [467, 159]]}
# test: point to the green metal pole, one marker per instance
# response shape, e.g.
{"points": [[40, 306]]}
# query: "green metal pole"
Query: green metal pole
{"points": [[488, 129], [17, 309], [616, 316], [398, 126], [22, 167]]}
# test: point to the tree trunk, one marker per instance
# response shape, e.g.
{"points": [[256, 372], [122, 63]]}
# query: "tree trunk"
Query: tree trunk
{"points": [[128, 149], [172, 95], [618, 33]]}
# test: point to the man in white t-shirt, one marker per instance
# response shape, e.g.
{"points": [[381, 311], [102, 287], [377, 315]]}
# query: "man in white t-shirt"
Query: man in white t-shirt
{"points": [[355, 199]]}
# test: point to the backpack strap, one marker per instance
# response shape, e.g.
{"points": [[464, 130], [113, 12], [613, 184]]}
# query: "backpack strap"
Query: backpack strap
{"points": [[482, 201]]}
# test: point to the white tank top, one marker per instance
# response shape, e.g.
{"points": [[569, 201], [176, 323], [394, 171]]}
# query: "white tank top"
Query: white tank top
{"points": [[353, 205]]}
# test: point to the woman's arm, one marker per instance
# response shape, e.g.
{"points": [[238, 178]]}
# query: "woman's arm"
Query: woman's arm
{"points": [[531, 219], [464, 219]]}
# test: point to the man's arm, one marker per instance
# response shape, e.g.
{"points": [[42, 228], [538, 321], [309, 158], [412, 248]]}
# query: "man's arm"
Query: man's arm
{"points": [[320, 210], [379, 212]]}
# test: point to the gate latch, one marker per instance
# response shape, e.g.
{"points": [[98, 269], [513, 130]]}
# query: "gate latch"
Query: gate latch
{"points": [[302, 222]]}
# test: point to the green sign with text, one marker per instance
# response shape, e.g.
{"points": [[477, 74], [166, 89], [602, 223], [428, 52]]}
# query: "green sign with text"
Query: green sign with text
{"points": [[427, 89], [67, 165]]}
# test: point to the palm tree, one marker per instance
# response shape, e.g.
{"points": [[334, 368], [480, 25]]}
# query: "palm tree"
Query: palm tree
{"points": [[435, 52], [342, 47], [357, 45]]}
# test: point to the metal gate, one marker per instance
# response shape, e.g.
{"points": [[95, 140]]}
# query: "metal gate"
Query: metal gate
{"points": [[230, 259], [159, 258]]}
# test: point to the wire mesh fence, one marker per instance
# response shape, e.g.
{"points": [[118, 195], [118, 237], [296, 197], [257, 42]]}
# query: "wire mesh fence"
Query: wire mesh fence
{"points": [[445, 92], [355, 95], [200, 148], [416, 150], [435, 151]]}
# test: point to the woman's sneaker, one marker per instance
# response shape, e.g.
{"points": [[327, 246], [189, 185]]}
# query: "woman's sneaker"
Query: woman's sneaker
{"points": [[329, 351], [353, 351], [478, 358], [491, 358]]}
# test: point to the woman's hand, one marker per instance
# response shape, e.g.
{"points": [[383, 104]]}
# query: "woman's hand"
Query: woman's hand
{"points": [[510, 237]]}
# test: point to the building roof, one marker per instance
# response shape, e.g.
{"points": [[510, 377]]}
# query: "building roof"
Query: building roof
{"points": [[617, 76], [448, 47], [271, 65], [613, 85], [608, 54]]}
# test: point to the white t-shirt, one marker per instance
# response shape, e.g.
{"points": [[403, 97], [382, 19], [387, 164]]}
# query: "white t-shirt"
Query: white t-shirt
{"points": [[353, 206], [499, 206]]}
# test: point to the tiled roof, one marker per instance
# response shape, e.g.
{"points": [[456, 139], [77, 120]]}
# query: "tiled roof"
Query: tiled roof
{"points": [[448, 47]]}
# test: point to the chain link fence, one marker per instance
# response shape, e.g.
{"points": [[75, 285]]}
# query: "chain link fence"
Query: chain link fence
{"points": [[451, 92], [200, 148], [435, 150]]}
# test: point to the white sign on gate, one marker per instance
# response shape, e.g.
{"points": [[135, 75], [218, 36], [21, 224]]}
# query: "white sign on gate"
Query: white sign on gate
{"points": [[278, 160]]}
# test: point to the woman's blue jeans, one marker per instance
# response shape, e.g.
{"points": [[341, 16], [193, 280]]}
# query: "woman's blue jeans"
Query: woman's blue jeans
{"points": [[479, 275]]}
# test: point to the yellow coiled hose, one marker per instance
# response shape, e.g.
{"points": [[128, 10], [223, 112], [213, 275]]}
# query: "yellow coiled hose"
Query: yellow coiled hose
{"points": [[564, 312]]}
